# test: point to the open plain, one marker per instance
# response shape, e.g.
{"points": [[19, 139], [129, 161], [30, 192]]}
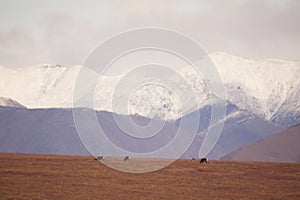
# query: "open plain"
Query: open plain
{"points": [[28, 176]]}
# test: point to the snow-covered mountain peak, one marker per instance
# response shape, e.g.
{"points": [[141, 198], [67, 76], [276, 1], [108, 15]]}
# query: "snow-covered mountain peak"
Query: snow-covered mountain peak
{"points": [[49, 66], [7, 102], [269, 88], [260, 86]]}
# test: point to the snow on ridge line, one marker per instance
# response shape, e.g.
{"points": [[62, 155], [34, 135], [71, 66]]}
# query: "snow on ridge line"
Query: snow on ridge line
{"points": [[259, 86], [8, 102], [224, 54]]}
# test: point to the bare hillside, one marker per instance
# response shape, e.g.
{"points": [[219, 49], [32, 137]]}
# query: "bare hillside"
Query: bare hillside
{"points": [[283, 146]]}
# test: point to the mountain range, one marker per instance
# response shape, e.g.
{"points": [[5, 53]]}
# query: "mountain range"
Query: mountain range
{"points": [[53, 131], [262, 99], [268, 88]]}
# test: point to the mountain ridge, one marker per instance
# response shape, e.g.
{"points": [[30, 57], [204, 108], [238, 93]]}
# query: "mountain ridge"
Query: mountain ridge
{"points": [[269, 88]]}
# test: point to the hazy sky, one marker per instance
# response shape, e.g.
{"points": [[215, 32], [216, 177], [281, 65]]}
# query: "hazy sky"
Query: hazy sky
{"points": [[64, 32]]}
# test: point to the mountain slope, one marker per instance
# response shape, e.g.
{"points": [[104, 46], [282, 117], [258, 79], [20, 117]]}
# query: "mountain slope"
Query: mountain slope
{"points": [[39, 131], [53, 131], [7, 102], [243, 132], [240, 128], [281, 147], [269, 88]]}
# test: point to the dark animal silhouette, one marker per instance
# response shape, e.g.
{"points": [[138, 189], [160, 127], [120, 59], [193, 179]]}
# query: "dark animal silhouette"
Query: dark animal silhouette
{"points": [[127, 158], [99, 158], [203, 160]]}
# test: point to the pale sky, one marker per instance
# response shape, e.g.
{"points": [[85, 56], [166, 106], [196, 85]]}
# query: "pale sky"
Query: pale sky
{"points": [[64, 32]]}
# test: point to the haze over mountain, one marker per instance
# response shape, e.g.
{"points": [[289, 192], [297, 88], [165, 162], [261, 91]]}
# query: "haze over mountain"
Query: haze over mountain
{"points": [[53, 131], [47, 131], [268, 88], [281, 147]]}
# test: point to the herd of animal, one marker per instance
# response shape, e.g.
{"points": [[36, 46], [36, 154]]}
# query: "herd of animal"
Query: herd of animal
{"points": [[99, 158], [127, 158]]}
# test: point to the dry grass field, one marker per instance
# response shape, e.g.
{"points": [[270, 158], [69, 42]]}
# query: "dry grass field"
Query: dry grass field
{"points": [[25, 176]]}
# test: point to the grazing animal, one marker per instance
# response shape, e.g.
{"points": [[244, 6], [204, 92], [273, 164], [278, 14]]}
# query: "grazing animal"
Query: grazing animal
{"points": [[99, 158], [203, 160], [127, 158]]}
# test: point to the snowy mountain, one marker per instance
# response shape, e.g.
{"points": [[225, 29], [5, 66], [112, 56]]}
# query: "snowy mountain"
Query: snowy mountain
{"points": [[268, 88], [43, 86], [7, 102]]}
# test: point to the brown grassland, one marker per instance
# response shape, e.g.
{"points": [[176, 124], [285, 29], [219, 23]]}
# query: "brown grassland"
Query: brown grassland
{"points": [[26, 176]]}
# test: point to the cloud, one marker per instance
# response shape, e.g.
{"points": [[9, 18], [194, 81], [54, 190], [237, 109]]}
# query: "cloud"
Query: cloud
{"points": [[66, 33], [59, 39]]}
